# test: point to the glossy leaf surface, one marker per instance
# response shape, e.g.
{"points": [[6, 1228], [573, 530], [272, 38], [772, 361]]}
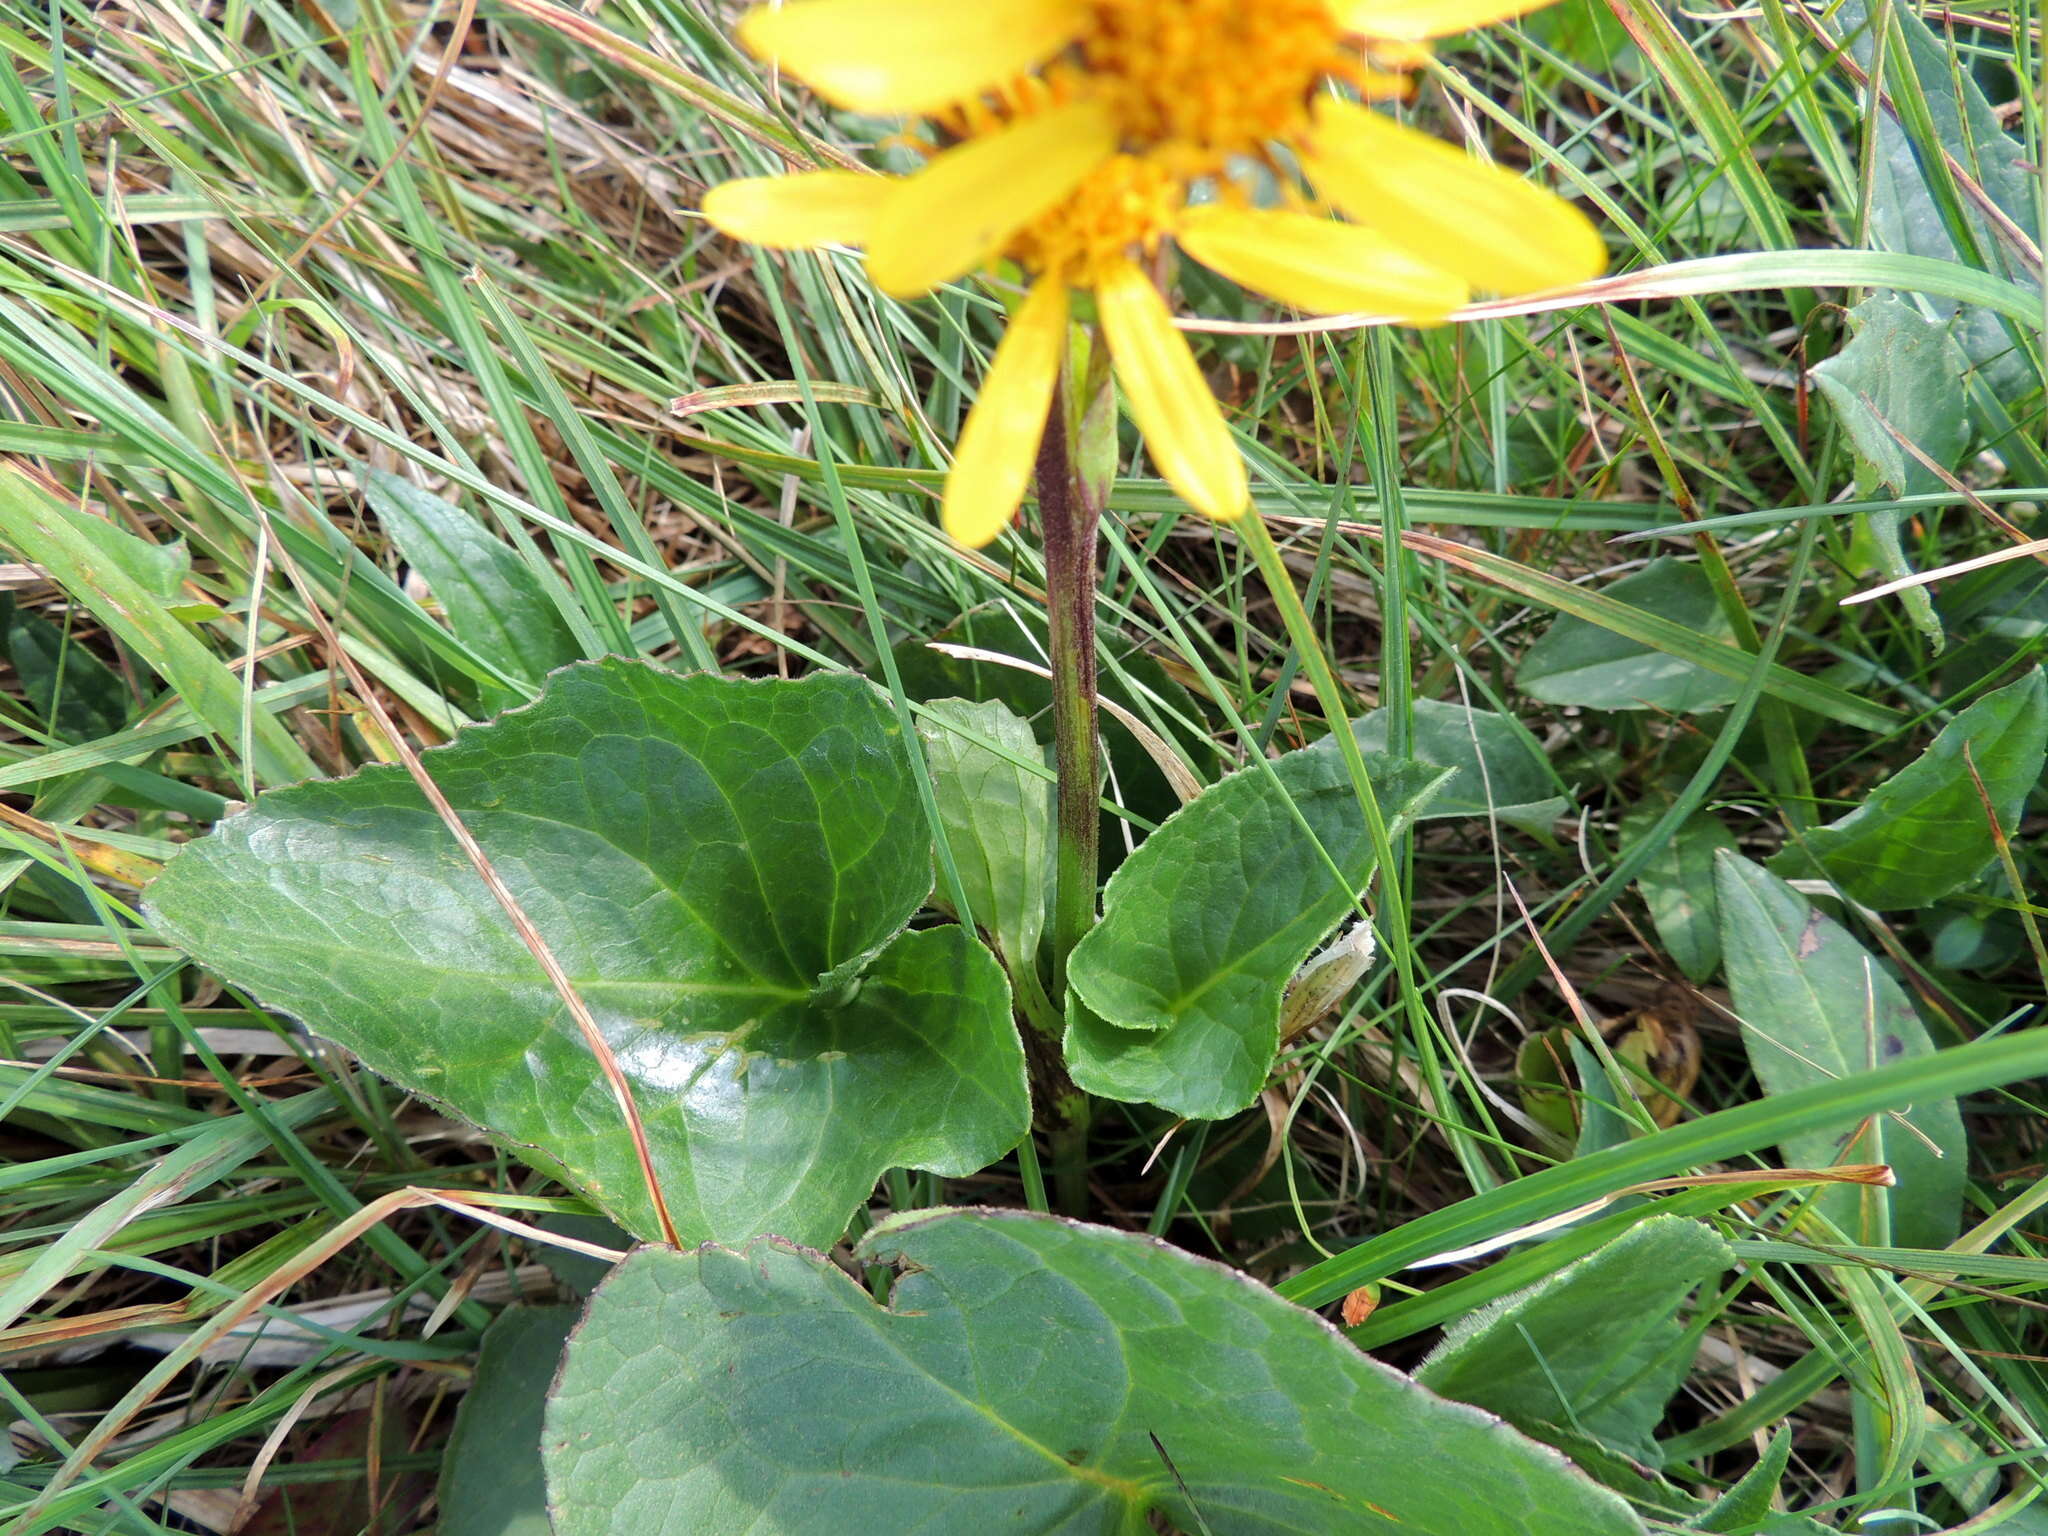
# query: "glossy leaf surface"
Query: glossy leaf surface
{"points": [[724, 870]]}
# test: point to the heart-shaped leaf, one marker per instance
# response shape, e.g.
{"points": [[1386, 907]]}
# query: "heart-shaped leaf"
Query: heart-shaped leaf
{"points": [[1027, 1374], [724, 870], [1174, 998]]}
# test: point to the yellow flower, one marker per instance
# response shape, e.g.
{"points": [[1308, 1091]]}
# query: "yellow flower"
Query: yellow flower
{"points": [[1079, 137]]}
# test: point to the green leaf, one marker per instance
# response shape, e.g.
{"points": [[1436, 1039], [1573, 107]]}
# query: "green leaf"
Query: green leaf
{"points": [[92, 560], [79, 696], [495, 605], [1948, 1451], [159, 569], [1134, 680], [1014, 1381], [997, 816], [1747, 1501], [491, 1482], [1678, 886], [1963, 937], [1906, 215], [1989, 1062], [1497, 769], [1922, 832], [1901, 376], [1815, 1008], [578, 1272], [1579, 663], [723, 868], [1588, 34], [1174, 997], [1597, 1347], [1648, 630]]}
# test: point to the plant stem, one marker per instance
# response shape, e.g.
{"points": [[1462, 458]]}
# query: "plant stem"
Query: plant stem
{"points": [[1071, 491], [1070, 522]]}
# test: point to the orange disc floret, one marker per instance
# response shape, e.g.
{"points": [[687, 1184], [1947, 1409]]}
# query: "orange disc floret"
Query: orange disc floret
{"points": [[1213, 78], [1125, 209]]}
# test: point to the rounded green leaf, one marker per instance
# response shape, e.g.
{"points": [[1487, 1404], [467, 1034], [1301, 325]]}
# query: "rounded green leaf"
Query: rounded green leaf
{"points": [[1174, 998], [1025, 1375], [723, 868]]}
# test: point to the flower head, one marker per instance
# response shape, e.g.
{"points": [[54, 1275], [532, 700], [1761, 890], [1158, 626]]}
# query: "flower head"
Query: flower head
{"points": [[1081, 138]]}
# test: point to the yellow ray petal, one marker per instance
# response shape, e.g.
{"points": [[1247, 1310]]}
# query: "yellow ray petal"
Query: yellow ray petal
{"points": [[800, 211], [1318, 264], [1168, 397], [1000, 441], [1489, 226], [1410, 21], [961, 210], [890, 56]]}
